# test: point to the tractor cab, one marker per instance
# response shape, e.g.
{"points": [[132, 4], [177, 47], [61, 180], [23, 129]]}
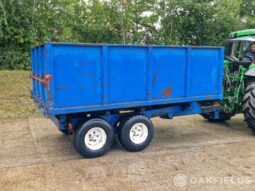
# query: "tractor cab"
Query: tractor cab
{"points": [[237, 46]]}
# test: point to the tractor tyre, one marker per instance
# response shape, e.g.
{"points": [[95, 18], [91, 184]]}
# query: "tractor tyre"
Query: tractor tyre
{"points": [[248, 106]]}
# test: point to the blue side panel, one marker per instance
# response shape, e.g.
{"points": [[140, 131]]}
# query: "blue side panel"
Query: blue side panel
{"points": [[77, 76], [42, 73], [38, 68], [40, 87], [204, 71], [37, 71], [168, 72], [94, 77], [126, 74], [44, 69], [33, 60]]}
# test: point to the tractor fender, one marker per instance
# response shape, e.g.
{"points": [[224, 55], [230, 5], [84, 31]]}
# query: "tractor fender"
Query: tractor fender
{"points": [[250, 72]]}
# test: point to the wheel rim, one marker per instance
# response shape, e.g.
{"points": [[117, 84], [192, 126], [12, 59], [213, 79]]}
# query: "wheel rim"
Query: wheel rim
{"points": [[138, 133], [95, 138]]}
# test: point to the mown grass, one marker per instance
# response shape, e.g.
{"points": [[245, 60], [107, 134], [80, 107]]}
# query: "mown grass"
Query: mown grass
{"points": [[15, 98]]}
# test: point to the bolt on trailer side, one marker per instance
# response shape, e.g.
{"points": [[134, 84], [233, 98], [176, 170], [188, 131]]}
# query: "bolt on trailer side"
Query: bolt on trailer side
{"points": [[79, 82]]}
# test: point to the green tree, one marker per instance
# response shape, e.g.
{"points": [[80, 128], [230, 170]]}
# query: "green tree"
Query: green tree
{"points": [[28, 23], [247, 13]]}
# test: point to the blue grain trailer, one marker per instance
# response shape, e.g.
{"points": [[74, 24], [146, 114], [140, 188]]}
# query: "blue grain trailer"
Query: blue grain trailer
{"points": [[93, 91]]}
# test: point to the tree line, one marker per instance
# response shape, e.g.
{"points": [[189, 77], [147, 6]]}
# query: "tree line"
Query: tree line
{"points": [[27, 23]]}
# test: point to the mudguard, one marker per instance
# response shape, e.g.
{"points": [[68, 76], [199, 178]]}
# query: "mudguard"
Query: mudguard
{"points": [[250, 72]]}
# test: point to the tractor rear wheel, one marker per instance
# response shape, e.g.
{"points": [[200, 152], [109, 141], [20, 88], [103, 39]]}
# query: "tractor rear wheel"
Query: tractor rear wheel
{"points": [[248, 106]]}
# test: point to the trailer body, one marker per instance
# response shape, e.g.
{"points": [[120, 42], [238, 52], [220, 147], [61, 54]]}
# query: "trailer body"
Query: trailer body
{"points": [[93, 77], [73, 81]]}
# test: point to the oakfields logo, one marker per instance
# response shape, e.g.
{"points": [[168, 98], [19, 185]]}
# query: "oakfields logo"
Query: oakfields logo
{"points": [[181, 180]]}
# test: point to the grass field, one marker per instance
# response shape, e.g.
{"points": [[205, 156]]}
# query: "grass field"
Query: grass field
{"points": [[15, 98]]}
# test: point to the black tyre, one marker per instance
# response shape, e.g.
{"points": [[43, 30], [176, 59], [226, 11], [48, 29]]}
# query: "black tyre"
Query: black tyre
{"points": [[136, 133], [222, 117], [65, 132], [93, 138], [248, 106]]}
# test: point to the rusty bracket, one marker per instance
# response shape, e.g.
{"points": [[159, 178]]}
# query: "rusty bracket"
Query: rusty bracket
{"points": [[44, 80]]}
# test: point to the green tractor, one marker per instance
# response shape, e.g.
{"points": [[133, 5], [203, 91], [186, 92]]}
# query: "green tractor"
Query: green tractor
{"points": [[239, 79]]}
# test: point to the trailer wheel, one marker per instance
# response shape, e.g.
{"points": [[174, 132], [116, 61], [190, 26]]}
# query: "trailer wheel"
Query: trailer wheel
{"points": [[248, 106], [94, 138], [136, 133]]}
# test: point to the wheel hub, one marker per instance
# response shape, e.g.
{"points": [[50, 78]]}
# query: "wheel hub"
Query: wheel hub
{"points": [[138, 133], [95, 138]]}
